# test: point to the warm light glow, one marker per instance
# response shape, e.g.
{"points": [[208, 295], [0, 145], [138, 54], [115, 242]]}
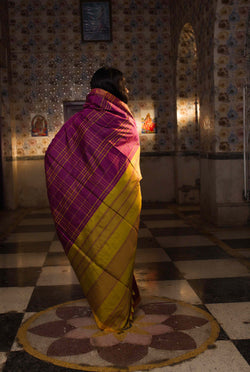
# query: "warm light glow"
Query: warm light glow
{"points": [[144, 112], [188, 111], [206, 123]]}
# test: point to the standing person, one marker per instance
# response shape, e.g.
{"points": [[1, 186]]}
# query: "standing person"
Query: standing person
{"points": [[93, 182]]}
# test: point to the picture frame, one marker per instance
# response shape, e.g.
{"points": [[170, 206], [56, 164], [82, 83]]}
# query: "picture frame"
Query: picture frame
{"points": [[39, 125], [96, 22]]}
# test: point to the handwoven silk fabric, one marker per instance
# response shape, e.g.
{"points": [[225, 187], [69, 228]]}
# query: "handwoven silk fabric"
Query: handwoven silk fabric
{"points": [[93, 182]]}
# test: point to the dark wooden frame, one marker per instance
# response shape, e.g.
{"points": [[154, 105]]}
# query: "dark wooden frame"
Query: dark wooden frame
{"points": [[96, 24], [71, 107]]}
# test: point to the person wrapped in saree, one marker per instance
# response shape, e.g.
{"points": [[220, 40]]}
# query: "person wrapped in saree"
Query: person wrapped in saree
{"points": [[93, 182]]}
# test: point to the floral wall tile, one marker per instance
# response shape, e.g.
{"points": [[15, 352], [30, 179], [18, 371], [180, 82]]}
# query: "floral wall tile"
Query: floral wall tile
{"points": [[50, 64]]}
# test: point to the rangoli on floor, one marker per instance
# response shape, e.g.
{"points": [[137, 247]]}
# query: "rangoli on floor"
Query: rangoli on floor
{"points": [[164, 332]]}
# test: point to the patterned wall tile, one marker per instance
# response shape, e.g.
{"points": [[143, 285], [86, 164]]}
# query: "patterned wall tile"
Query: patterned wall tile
{"points": [[50, 64]]}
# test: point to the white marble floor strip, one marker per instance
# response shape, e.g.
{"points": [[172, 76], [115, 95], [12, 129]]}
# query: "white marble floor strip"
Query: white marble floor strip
{"points": [[217, 268]]}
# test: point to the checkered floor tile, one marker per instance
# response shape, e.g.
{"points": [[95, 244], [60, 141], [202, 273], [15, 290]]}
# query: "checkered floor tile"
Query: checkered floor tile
{"points": [[177, 257]]}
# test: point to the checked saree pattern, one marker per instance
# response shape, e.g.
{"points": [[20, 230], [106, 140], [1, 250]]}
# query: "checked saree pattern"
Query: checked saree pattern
{"points": [[93, 182]]}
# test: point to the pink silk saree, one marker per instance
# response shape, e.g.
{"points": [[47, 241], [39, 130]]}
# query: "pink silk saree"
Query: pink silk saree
{"points": [[93, 182]]}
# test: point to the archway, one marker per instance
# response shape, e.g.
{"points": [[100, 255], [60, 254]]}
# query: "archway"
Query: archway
{"points": [[187, 105], [224, 200]]}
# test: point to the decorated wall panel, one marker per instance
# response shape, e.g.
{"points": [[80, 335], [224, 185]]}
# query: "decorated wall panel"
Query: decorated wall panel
{"points": [[50, 64], [200, 15], [230, 73]]}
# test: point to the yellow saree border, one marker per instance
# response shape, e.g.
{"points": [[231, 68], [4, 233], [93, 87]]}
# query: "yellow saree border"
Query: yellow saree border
{"points": [[104, 251]]}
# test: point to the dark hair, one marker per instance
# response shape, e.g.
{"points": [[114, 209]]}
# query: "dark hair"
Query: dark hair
{"points": [[111, 80]]}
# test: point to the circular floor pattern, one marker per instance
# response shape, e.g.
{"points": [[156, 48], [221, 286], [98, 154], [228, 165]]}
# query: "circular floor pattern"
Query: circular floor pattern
{"points": [[164, 332]]}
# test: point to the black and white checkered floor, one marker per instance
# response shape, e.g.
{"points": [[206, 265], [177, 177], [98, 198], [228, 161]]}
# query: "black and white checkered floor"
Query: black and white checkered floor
{"points": [[177, 257]]}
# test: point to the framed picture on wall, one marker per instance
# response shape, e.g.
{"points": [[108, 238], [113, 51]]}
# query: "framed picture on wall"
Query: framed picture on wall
{"points": [[96, 20], [148, 121], [39, 125]]}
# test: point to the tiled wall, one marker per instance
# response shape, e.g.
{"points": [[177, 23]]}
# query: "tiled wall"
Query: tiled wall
{"points": [[50, 64], [230, 73], [4, 75], [187, 104], [220, 29], [201, 16]]}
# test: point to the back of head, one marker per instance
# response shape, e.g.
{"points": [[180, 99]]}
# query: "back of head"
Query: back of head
{"points": [[111, 80]]}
